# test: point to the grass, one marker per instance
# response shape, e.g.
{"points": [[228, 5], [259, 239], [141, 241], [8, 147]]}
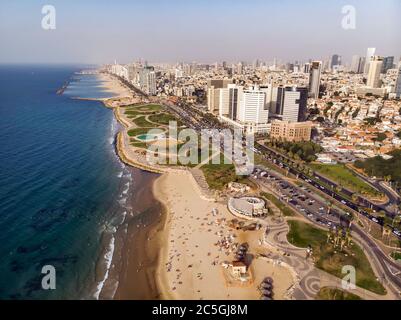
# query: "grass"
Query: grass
{"points": [[330, 259], [396, 255], [142, 122], [283, 208], [164, 119], [344, 176], [219, 175], [327, 293]]}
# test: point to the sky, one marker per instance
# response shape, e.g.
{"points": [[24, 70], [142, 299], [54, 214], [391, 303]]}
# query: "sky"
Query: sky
{"points": [[97, 31]]}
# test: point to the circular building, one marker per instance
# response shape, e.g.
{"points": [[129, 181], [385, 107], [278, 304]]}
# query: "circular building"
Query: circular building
{"points": [[247, 207]]}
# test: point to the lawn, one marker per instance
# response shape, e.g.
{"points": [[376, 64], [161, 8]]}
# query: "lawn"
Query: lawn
{"points": [[137, 131], [142, 122], [340, 174], [327, 293], [330, 259], [396, 255], [219, 175], [287, 211], [163, 119]]}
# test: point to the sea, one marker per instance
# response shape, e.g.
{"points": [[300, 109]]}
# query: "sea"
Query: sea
{"points": [[63, 190]]}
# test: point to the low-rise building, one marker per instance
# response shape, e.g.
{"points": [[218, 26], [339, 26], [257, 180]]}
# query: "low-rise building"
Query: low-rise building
{"points": [[291, 131]]}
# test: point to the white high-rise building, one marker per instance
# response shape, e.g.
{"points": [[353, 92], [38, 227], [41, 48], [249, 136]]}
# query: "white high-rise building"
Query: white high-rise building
{"points": [[375, 67], [252, 106], [223, 101], [314, 78], [369, 54], [398, 84], [151, 83], [355, 63]]}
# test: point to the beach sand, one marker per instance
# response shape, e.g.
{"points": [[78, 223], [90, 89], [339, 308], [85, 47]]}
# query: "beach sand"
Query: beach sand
{"points": [[113, 85], [189, 266]]}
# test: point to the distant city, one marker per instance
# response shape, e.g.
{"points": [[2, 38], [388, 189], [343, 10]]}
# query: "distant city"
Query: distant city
{"points": [[295, 100]]}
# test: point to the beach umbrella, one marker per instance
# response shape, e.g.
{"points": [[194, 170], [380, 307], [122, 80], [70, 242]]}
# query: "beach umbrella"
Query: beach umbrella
{"points": [[267, 292], [266, 285], [268, 280]]}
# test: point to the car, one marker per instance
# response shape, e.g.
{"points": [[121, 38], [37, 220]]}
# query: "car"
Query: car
{"points": [[375, 220], [302, 210], [343, 201], [397, 232], [321, 208]]}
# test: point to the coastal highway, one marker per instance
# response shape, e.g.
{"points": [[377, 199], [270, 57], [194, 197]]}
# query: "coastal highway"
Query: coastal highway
{"points": [[273, 156], [318, 212]]}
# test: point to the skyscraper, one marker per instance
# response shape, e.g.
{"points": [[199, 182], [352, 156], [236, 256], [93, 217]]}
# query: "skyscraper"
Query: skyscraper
{"points": [[314, 78], [289, 103], [356, 64], [388, 63], [375, 67], [252, 106], [369, 54], [213, 94], [335, 61], [234, 97], [398, 84]]}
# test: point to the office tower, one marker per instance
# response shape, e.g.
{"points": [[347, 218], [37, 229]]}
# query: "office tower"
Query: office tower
{"points": [[398, 84], [369, 54], [252, 106], [375, 66], [223, 101], [291, 131], [288, 103], [289, 67], [213, 94], [240, 68], [224, 64], [235, 95], [362, 63], [355, 63], [314, 78], [306, 67], [388, 63], [335, 61], [151, 83]]}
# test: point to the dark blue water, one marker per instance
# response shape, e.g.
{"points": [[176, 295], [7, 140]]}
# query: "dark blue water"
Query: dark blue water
{"points": [[60, 183]]}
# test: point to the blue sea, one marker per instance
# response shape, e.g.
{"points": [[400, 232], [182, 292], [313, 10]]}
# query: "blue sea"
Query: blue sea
{"points": [[62, 187]]}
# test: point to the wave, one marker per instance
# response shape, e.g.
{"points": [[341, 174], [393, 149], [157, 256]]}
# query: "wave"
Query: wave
{"points": [[108, 258]]}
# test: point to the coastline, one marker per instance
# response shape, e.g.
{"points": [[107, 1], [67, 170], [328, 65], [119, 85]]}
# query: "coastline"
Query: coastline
{"points": [[184, 246]]}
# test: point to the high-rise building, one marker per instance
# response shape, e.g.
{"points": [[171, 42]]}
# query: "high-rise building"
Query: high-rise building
{"points": [[288, 103], [398, 84], [369, 54], [314, 78], [356, 64], [234, 97], [388, 63], [252, 106], [213, 94], [151, 83], [375, 67], [335, 61]]}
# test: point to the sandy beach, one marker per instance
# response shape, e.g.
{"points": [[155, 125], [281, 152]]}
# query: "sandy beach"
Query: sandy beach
{"points": [[190, 261], [116, 87]]}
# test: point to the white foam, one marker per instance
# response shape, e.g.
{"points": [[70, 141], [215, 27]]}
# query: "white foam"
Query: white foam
{"points": [[120, 174], [108, 257]]}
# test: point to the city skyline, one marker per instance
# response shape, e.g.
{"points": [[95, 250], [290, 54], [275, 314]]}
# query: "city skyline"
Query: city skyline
{"points": [[203, 31]]}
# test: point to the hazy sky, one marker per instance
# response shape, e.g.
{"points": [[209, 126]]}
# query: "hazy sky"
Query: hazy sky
{"points": [[90, 31]]}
